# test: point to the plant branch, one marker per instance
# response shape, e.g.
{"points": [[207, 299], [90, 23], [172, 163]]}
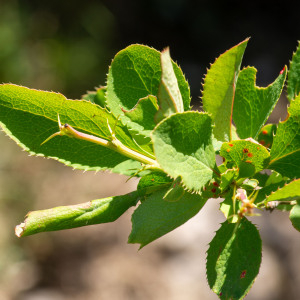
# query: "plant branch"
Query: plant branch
{"points": [[114, 144]]}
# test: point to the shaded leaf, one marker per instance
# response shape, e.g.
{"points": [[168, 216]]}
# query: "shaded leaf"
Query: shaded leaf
{"points": [[175, 192], [142, 119], [155, 217], [227, 178], [154, 181], [274, 181], [295, 216], [96, 97], [233, 259], [266, 134]]}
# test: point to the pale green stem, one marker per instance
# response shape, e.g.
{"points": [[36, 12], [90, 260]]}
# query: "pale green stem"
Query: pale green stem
{"points": [[114, 144]]}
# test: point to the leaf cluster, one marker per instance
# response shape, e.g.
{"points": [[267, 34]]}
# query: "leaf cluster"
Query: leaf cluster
{"points": [[140, 124]]}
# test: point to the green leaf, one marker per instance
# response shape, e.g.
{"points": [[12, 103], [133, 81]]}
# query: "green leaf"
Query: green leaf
{"points": [[155, 217], [253, 105], [274, 182], [142, 119], [266, 135], [233, 259], [97, 97], [293, 83], [230, 208], [169, 96], [250, 184], [219, 89], [289, 192], [128, 167], [135, 73], [153, 182], [285, 151], [227, 178], [29, 117], [295, 216], [183, 147], [175, 192], [72, 216], [243, 153]]}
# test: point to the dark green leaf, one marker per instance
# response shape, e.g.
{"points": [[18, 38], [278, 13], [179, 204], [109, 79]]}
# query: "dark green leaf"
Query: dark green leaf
{"points": [[233, 259], [153, 182], [155, 217], [295, 216], [175, 192], [97, 97]]}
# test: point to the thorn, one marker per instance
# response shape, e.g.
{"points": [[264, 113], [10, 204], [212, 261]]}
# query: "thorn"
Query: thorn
{"points": [[54, 134]]}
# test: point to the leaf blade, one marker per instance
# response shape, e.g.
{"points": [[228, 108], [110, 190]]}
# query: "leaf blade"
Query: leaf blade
{"points": [[183, 147], [293, 83], [295, 216], [285, 151], [29, 117], [156, 217], [233, 259], [243, 152], [169, 96], [73, 216], [135, 73], [289, 192], [252, 104], [219, 89]]}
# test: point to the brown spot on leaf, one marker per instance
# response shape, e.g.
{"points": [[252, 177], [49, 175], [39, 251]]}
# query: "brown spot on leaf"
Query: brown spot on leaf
{"points": [[243, 274]]}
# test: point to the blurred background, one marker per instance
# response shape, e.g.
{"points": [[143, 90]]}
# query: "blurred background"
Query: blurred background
{"points": [[67, 46]]}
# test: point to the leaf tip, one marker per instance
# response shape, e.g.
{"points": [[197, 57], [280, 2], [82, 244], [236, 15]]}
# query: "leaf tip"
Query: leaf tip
{"points": [[19, 229]]}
